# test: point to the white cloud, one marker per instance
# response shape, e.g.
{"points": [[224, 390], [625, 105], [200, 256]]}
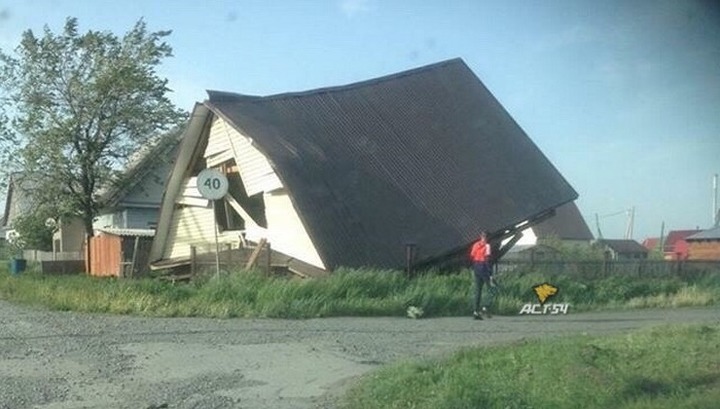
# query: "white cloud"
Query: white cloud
{"points": [[351, 8]]}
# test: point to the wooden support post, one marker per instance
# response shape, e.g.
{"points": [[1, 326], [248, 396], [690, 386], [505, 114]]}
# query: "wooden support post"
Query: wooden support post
{"points": [[228, 258], [121, 267], [193, 261], [87, 255], [409, 258], [268, 264], [254, 256], [133, 266]]}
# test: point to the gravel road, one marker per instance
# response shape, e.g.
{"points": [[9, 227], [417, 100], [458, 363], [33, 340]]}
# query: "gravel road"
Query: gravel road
{"points": [[62, 360]]}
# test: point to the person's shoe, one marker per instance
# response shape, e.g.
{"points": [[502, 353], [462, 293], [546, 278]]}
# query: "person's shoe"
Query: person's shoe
{"points": [[477, 316], [486, 313]]}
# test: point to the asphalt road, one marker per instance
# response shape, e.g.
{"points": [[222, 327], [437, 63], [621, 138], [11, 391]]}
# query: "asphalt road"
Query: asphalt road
{"points": [[62, 360]]}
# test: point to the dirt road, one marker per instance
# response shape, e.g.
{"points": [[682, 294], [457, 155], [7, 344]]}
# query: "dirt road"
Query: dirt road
{"points": [[62, 360]]}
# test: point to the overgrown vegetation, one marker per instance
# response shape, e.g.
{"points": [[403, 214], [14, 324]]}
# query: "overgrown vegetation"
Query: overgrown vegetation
{"points": [[344, 293], [33, 230], [662, 368], [666, 367]]}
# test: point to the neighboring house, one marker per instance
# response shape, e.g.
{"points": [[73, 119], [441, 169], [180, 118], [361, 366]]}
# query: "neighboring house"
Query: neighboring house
{"points": [[353, 175], [532, 252], [676, 247], [132, 204], [651, 243], [567, 225], [69, 236], [623, 249], [18, 201], [135, 204], [704, 245]]}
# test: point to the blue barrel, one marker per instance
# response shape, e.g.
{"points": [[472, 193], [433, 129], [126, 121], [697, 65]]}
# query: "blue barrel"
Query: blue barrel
{"points": [[17, 265]]}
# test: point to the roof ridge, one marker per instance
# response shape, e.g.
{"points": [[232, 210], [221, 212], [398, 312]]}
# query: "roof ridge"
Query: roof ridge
{"points": [[215, 95], [144, 163]]}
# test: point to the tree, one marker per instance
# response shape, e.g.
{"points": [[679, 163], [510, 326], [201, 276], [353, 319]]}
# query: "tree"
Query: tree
{"points": [[34, 229], [77, 106]]}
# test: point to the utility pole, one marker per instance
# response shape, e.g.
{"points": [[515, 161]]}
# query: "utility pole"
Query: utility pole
{"points": [[661, 241], [631, 223], [597, 223], [715, 201]]}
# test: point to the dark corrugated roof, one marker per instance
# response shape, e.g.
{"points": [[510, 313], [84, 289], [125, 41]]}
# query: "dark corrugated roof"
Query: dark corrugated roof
{"points": [[427, 156], [567, 224], [624, 246]]}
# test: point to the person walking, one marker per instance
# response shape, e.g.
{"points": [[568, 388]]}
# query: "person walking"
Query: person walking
{"points": [[480, 253]]}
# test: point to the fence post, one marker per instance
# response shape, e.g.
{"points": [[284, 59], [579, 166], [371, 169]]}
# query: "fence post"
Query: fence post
{"points": [[193, 261], [134, 257], [228, 258], [268, 260], [409, 258], [532, 258]]}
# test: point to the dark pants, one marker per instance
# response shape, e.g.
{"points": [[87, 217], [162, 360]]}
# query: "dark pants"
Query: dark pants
{"points": [[482, 274]]}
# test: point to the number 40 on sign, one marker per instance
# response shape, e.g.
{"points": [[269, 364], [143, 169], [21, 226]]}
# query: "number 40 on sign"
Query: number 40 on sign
{"points": [[212, 184]]}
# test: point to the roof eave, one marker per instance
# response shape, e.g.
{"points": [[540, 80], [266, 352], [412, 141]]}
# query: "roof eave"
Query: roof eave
{"points": [[190, 139]]}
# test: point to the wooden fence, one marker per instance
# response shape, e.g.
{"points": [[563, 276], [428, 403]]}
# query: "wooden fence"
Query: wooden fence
{"points": [[38, 255], [599, 268], [105, 256]]}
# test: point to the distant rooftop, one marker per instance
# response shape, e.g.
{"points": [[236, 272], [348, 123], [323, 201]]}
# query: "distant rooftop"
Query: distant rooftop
{"points": [[709, 234]]}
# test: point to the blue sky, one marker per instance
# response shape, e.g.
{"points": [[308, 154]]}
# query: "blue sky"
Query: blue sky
{"points": [[623, 96]]}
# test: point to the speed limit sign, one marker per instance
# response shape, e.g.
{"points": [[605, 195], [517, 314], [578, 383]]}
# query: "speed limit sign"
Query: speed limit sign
{"points": [[212, 184]]}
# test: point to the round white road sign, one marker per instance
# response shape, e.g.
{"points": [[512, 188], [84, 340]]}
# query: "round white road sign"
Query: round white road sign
{"points": [[212, 184]]}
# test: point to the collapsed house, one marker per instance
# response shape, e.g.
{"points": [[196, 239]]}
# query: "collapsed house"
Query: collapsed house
{"points": [[354, 175]]}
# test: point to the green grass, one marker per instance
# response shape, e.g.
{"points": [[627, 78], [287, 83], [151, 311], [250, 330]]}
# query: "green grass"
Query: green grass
{"points": [[666, 367], [344, 293], [672, 367], [245, 294]]}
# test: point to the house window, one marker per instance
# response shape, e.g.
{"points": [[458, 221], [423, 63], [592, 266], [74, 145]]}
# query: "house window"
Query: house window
{"points": [[226, 217]]}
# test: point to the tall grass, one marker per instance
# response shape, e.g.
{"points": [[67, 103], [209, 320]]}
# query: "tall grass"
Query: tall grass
{"points": [[666, 367], [346, 292]]}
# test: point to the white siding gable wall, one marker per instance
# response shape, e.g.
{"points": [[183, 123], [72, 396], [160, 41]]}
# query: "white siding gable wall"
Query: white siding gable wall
{"points": [[286, 231], [255, 170], [193, 224], [218, 149], [193, 220]]}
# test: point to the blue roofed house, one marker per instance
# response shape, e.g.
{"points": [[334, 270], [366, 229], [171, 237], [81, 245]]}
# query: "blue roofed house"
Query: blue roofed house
{"points": [[135, 203], [130, 204]]}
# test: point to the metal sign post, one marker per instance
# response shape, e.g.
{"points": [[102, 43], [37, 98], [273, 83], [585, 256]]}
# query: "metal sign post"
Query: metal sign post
{"points": [[217, 245], [213, 185]]}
